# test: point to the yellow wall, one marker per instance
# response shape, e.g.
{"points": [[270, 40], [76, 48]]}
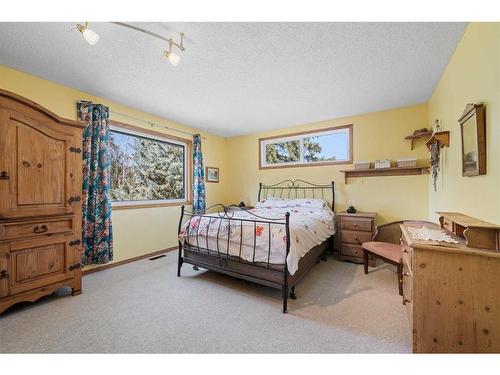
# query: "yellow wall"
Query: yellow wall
{"points": [[377, 135], [473, 75], [136, 231]]}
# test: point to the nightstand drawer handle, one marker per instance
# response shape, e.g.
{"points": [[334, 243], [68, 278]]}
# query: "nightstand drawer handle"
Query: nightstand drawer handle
{"points": [[354, 224]]}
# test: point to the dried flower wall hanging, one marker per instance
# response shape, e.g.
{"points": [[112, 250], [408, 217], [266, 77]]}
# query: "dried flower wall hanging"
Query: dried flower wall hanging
{"points": [[434, 162]]}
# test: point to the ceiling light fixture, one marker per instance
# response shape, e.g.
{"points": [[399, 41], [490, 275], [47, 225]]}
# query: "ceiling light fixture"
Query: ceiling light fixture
{"points": [[171, 56], [89, 35]]}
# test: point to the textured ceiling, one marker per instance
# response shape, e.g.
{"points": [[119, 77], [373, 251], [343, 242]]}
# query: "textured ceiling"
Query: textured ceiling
{"points": [[240, 78]]}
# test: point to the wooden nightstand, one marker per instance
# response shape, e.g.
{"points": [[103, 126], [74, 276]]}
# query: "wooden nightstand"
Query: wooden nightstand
{"points": [[354, 229]]}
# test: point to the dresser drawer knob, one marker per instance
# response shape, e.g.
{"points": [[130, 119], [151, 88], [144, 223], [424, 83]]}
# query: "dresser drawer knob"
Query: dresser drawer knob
{"points": [[40, 229], [4, 275], [354, 224], [4, 175], [75, 242]]}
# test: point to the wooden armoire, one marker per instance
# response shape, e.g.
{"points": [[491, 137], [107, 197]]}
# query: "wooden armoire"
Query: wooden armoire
{"points": [[40, 201]]}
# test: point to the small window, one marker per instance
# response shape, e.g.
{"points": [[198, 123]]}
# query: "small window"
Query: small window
{"points": [[147, 168], [326, 146]]}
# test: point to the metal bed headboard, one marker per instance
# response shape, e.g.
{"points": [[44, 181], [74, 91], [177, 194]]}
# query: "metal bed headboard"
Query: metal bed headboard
{"points": [[289, 189]]}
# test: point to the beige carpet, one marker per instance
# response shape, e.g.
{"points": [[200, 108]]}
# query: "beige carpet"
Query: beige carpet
{"points": [[144, 307]]}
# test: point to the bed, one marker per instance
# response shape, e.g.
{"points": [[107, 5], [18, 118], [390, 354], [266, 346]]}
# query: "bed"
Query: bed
{"points": [[273, 244]]}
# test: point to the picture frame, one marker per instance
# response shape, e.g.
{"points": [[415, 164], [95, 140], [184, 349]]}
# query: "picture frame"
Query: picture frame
{"points": [[212, 174], [473, 132]]}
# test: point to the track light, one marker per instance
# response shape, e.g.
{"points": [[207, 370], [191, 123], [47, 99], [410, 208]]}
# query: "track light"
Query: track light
{"points": [[89, 35], [171, 56]]}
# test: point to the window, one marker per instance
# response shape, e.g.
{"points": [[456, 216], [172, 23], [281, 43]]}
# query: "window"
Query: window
{"points": [[147, 168], [320, 147]]}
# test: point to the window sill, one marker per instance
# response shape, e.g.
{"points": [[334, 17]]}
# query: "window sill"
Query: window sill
{"points": [[317, 164], [148, 205]]}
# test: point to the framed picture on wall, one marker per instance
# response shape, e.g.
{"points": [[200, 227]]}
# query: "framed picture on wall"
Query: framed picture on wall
{"points": [[212, 174]]}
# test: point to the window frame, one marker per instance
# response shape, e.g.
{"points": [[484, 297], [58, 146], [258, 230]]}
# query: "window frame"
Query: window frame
{"points": [[298, 136], [163, 137]]}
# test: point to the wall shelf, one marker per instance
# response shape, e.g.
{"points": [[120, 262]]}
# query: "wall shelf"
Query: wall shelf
{"points": [[415, 136], [384, 172], [442, 137]]}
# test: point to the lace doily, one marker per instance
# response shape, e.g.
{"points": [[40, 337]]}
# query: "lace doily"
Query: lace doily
{"points": [[426, 234]]}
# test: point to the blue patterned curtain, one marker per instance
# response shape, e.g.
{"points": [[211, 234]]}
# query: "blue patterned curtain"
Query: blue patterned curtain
{"points": [[97, 231], [198, 175]]}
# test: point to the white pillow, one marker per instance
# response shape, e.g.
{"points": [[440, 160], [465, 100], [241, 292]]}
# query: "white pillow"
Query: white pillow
{"points": [[307, 202], [273, 202]]}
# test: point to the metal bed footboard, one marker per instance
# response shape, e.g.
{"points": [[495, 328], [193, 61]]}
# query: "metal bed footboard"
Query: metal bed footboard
{"points": [[198, 252]]}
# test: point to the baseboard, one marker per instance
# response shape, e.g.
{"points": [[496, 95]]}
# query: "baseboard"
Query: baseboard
{"points": [[122, 262]]}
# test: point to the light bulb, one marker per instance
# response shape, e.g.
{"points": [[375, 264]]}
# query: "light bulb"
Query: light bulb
{"points": [[90, 36], [173, 58]]}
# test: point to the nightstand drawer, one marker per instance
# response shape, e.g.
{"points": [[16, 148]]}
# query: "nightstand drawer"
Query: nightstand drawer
{"points": [[355, 237], [361, 224], [352, 250]]}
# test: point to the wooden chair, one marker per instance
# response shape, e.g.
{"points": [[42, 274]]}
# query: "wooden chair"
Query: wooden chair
{"points": [[386, 245]]}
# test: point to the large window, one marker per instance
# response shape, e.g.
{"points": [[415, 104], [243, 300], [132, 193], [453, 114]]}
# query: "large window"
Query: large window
{"points": [[325, 146], [147, 168]]}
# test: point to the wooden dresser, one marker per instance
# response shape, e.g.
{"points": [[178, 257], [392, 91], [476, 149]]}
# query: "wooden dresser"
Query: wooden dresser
{"points": [[354, 229], [450, 292], [40, 201]]}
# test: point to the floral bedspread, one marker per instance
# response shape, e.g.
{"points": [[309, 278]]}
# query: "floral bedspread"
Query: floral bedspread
{"points": [[255, 241]]}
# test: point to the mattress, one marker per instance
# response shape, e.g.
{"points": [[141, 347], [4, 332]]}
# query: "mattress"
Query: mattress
{"points": [[247, 235]]}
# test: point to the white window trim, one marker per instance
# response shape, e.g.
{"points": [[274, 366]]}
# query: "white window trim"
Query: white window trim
{"points": [[300, 137], [156, 202]]}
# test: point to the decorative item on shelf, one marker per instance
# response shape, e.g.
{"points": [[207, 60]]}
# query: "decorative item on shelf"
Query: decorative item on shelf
{"points": [[436, 126], [241, 204], [419, 133], [438, 140], [407, 163], [382, 164], [351, 209], [362, 165], [212, 174]]}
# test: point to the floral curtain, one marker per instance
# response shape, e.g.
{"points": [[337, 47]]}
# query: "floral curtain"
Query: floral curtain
{"points": [[97, 232], [198, 175]]}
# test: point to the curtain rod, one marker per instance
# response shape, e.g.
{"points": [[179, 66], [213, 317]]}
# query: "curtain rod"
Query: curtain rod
{"points": [[152, 124]]}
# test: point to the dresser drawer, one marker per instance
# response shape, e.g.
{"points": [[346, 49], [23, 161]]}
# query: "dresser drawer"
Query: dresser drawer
{"points": [[447, 224], [24, 229], [352, 250], [355, 237], [360, 224]]}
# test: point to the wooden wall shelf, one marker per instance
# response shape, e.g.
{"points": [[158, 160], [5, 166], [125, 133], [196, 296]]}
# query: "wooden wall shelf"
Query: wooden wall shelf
{"points": [[415, 136], [385, 172], [442, 137]]}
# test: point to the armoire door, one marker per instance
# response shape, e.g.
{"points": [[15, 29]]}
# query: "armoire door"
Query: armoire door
{"points": [[38, 167], [42, 261]]}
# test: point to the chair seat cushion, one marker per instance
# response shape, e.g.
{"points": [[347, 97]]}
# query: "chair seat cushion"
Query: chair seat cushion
{"points": [[386, 250]]}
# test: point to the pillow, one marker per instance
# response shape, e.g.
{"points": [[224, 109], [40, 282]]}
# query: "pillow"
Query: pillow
{"points": [[273, 202], [307, 202]]}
